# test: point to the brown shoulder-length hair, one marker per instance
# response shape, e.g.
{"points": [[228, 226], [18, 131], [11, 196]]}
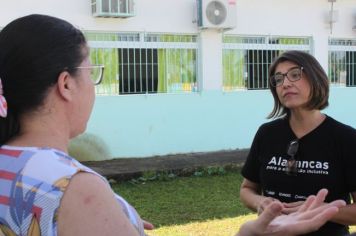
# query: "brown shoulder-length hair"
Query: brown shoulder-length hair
{"points": [[312, 71]]}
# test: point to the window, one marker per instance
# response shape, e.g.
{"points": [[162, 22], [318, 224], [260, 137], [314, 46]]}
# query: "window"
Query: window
{"points": [[110, 6], [145, 63], [113, 8], [139, 70], [342, 62], [246, 59]]}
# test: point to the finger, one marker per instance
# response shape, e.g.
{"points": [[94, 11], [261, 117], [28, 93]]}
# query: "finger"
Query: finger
{"points": [[290, 210], [312, 200], [293, 204], [292, 207], [264, 203], [319, 198], [311, 213], [337, 203], [307, 203], [147, 225], [270, 212]]}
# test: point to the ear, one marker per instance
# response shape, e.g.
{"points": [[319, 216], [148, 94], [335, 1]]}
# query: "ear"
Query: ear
{"points": [[65, 85]]}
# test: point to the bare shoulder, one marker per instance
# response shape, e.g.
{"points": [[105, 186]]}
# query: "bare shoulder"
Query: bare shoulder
{"points": [[89, 207]]}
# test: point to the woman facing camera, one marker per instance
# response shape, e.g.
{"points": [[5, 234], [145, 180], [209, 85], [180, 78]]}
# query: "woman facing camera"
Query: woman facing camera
{"points": [[302, 150]]}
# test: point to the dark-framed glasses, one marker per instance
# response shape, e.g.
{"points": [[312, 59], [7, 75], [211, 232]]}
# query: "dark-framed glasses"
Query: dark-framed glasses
{"points": [[96, 72], [292, 150], [292, 75]]}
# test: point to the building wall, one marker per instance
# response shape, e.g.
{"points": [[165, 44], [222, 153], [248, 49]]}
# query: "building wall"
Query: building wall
{"points": [[210, 120]]}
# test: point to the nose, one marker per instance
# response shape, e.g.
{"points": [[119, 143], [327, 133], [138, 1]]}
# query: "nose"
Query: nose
{"points": [[286, 82]]}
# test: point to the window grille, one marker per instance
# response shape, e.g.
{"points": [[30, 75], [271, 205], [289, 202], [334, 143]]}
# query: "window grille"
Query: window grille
{"points": [[145, 63], [112, 8], [342, 62], [246, 59]]}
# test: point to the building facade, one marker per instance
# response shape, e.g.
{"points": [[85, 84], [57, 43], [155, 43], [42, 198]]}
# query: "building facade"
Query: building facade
{"points": [[185, 76]]}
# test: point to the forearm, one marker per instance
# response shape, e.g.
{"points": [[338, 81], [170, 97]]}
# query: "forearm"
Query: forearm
{"points": [[252, 199], [346, 215]]}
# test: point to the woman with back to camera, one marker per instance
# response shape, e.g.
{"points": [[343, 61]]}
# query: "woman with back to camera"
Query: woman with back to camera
{"points": [[46, 97], [303, 150]]}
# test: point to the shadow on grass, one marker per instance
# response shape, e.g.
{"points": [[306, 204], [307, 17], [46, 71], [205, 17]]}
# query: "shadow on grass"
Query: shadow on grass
{"points": [[186, 199]]}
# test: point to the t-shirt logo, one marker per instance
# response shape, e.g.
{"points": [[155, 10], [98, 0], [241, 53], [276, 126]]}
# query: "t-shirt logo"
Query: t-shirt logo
{"points": [[304, 167]]}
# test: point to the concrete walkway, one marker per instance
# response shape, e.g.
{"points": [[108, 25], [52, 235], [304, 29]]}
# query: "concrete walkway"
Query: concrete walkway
{"points": [[126, 168]]}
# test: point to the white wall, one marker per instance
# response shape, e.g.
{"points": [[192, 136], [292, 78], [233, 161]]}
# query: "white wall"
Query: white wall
{"points": [[210, 120], [254, 17]]}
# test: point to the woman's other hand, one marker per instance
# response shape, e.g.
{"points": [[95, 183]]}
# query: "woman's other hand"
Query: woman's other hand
{"points": [[265, 202]]}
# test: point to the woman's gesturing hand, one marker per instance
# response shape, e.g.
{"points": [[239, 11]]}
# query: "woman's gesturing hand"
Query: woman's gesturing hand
{"points": [[310, 216]]}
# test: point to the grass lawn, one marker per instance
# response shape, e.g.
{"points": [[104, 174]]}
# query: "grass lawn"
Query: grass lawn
{"points": [[189, 206]]}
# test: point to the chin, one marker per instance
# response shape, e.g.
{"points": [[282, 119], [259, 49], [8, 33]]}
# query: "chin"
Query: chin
{"points": [[292, 105]]}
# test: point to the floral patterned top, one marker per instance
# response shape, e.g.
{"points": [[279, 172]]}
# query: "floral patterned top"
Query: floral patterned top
{"points": [[32, 183]]}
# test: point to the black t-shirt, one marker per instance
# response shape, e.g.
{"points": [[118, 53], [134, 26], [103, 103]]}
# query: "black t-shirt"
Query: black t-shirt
{"points": [[326, 158]]}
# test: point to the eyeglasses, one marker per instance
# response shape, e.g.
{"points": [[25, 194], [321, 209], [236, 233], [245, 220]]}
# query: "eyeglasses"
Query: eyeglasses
{"points": [[292, 75], [292, 149], [96, 72]]}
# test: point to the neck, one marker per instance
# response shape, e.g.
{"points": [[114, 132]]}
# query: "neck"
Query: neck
{"points": [[46, 130], [304, 121]]}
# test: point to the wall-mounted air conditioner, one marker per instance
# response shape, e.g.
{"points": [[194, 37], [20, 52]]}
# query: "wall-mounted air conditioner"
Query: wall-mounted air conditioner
{"points": [[219, 14], [112, 8]]}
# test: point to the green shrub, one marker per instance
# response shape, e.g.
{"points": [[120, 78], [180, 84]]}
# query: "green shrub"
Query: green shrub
{"points": [[88, 147]]}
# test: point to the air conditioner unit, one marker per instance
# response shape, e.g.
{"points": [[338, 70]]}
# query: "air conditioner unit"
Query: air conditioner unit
{"points": [[219, 14], [112, 8]]}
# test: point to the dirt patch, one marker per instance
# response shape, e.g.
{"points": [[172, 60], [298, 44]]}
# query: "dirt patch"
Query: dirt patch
{"points": [[126, 168]]}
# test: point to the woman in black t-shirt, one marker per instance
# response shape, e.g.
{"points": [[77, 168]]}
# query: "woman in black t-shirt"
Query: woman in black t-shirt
{"points": [[303, 150]]}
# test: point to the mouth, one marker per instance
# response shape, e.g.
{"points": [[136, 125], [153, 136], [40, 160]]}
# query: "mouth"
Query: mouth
{"points": [[289, 94]]}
